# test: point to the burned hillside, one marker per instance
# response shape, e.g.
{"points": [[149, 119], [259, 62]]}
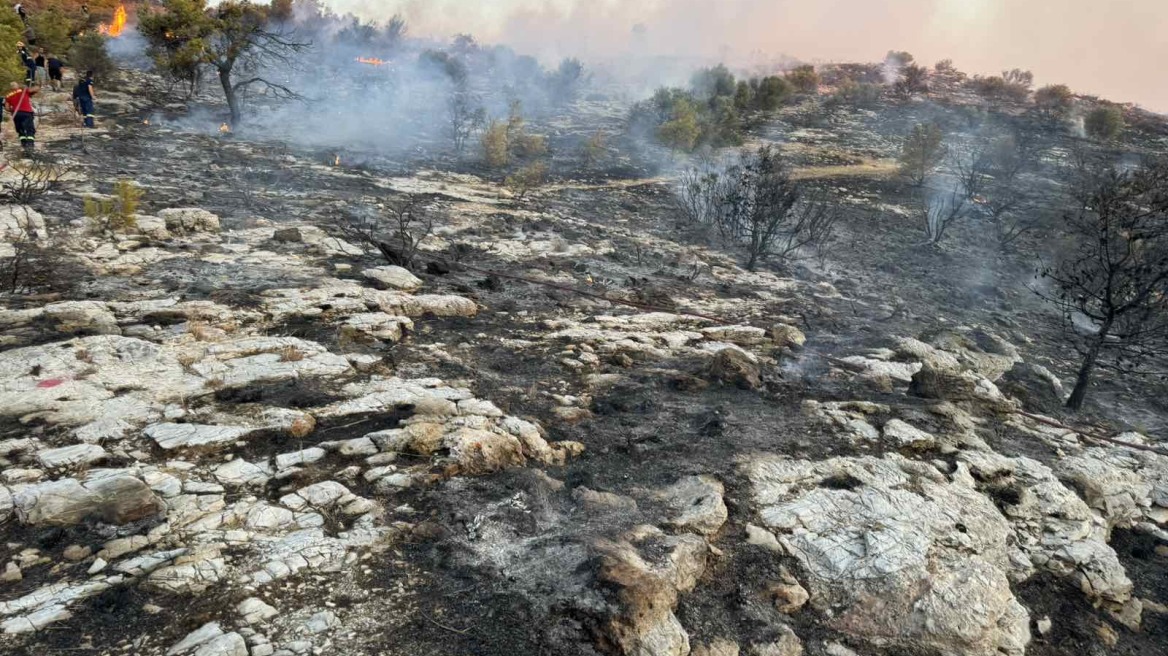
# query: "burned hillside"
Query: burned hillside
{"points": [[478, 356]]}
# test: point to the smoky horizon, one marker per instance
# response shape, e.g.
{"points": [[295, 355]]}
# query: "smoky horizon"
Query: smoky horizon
{"points": [[1105, 49]]}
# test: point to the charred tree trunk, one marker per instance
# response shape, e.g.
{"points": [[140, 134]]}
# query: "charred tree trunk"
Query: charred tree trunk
{"points": [[229, 93], [1083, 380]]}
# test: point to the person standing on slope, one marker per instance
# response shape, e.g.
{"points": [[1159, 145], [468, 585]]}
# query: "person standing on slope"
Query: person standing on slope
{"points": [[83, 98], [19, 102]]}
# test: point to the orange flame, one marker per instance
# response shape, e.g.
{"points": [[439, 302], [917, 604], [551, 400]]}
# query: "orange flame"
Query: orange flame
{"points": [[372, 61], [116, 28]]}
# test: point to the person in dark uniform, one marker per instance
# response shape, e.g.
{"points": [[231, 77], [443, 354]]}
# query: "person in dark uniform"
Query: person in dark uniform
{"points": [[41, 72], [27, 61], [56, 71], [83, 97]]}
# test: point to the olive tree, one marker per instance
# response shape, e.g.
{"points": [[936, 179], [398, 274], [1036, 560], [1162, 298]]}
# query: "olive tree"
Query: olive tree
{"points": [[236, 39]]}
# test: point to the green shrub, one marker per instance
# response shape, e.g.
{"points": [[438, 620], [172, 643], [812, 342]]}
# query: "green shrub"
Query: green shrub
{"points": [[496, 145], [89, 54], [114, 213], [804, 79], [682, 130], [1104, 123], [526, 179]]}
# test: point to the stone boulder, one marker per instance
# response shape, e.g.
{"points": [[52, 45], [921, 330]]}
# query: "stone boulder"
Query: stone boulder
{"points": [[393, 277], [896, 550], [649, 570], [20, 222], [153, 227], [977, 350], [733, 366], [1035, 386], [695, 504], [112, 496], [185, 220], [88, 317]]}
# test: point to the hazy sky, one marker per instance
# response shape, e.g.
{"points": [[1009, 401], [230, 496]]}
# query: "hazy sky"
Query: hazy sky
{"points": [[1115, 48]]}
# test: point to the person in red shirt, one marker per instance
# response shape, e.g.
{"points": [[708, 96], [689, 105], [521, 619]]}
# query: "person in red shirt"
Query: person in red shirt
{"points": [[19, 102]]}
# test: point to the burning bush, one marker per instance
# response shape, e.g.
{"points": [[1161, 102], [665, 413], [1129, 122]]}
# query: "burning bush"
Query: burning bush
{"points": [[1104, 123]]}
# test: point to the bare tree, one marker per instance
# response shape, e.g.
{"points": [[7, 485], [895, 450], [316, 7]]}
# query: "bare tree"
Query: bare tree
{"points": [[1007, 198], [702, 191], [755, 203], [1112, 285], [396, 229], [941, 210], [769, 213], [466, 115], [36, 261], [967, 176], [33, 179]]}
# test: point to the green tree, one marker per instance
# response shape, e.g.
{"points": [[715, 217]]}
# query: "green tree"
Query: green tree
{"points": [[771, 92], [235, 39], [1104, 123], [804, 79], [922, 152], [52, 27], [714, 82], [743, 95], [682, 130], [11, 32], [89, 54]]}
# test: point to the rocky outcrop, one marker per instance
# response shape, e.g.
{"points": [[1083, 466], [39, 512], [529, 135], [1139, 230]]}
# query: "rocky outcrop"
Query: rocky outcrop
{"points": [[733, 366], [649, 570], [897, 550], [113, 496], [189, 219]]}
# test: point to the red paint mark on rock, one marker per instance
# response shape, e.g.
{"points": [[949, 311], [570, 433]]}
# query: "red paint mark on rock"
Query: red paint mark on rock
{"points": [[50, 382]]}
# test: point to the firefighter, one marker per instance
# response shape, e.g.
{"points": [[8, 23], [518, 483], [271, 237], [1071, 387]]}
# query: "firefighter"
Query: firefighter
{"points": [[83, 98], [19, 102], [27, 61]]}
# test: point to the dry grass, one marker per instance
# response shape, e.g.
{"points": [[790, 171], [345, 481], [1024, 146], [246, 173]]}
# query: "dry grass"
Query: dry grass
{"points": [[291, 354]]}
